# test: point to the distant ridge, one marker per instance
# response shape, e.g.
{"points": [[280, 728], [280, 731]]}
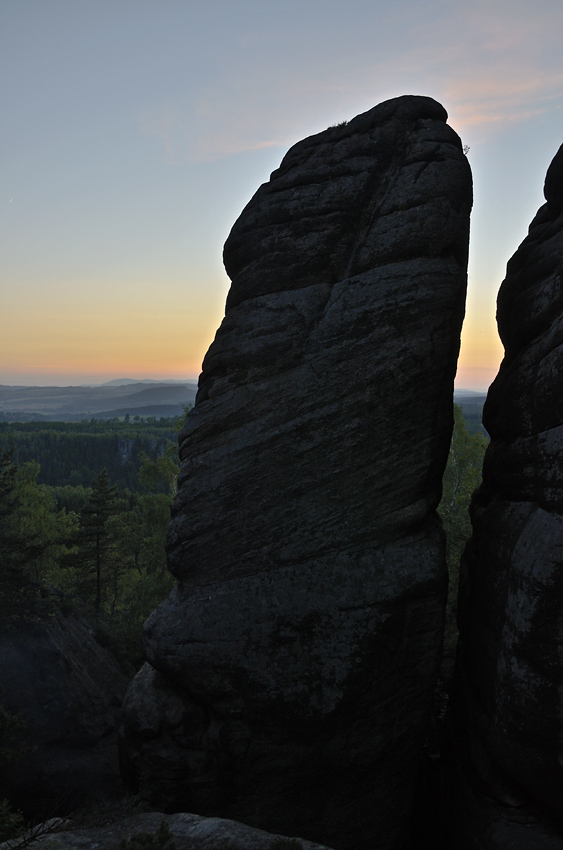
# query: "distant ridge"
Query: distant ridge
{"points": [[117, 398], [121, 382], [461, 393]]}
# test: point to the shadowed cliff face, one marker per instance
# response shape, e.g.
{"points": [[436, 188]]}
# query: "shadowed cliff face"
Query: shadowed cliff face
{"points": [[68, 690], [291, 671], [509, 706]]}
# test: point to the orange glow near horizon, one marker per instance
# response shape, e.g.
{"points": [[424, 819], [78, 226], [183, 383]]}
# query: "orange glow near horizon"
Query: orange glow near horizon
{"points": [[97, 346], [477, 366], [87, 340], [90, 349], [481, 354], [100, 333]]}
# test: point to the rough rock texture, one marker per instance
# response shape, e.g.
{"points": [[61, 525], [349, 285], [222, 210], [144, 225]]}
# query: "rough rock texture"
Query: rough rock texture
{"points": [[291, 670], [188, 832], [68, 689], [509, 708]]}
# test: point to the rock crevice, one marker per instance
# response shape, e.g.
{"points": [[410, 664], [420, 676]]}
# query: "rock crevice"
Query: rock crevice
{"points": [[508, 707]]}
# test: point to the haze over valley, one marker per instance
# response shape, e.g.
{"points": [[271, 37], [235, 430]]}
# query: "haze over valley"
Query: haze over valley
{"points": [[117, 398]]}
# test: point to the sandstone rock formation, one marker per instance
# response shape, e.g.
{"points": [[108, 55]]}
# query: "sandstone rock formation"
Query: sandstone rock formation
{"points": [[509, 706], [291, 670], [68, 690], [187, 832]]}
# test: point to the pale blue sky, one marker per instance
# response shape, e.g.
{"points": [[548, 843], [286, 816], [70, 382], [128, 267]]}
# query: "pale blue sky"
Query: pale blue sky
{"points": [[134, 132]]}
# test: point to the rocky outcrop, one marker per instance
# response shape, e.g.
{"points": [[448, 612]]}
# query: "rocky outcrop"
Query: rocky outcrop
{"points": [[291, 670], [509, 705], [186, 831], [68, 690]]}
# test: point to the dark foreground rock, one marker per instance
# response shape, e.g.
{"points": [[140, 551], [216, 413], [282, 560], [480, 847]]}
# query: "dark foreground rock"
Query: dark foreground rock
{"points": [[509, 706], [68, 691], [187, 832], [291, 671]]}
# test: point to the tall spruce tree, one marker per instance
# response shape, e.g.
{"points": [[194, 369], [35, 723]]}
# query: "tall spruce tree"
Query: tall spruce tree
{"points": [[20, 546], [95, 540]]}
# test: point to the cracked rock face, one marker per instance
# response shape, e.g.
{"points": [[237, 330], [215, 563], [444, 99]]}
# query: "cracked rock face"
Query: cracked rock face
{"points": [[291, 670], [509, 707]]}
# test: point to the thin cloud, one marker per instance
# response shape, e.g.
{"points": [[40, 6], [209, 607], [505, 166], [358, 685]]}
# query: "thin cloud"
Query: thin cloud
{"points": [[504, 69], [500, 99], [199, 133], [172, 124], [237, 119], [487, 63]]}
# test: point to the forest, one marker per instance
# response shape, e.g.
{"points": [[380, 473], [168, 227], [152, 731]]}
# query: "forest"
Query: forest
{"points": [[74, 453], [84, 510]]}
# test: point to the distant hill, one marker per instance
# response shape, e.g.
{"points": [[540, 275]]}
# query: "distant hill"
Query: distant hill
{"points": [[67, 404], [471, 404], [122, 382], [144, 398], [466, 393]]}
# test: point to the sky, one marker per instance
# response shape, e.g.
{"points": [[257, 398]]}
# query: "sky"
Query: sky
{"points": [[135, 131]]}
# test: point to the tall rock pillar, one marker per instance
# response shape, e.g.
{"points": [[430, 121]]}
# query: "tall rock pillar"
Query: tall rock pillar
{"points": [[508, 712], [291, 671]]}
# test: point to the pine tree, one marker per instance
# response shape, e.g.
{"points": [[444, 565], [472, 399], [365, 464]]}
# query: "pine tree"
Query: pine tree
{"points": [[19, 545], [94, 538]]}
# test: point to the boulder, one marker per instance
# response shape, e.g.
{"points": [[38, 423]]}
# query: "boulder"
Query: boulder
{"points": [[68, 690], [508, 709], [290, 673]]}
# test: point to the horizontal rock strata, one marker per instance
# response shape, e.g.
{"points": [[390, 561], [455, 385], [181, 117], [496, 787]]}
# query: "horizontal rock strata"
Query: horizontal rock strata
{"points": [[291, 670], [509, 707]]}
